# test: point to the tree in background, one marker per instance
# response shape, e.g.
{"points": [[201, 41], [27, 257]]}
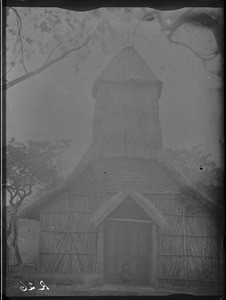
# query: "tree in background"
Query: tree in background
{"points": [[30, 166], [208, 177], [200, 170], [37, 38]]}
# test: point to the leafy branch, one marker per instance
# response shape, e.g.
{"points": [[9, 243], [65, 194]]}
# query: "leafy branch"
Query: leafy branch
{"points": [[45, 66], [47, 62]]}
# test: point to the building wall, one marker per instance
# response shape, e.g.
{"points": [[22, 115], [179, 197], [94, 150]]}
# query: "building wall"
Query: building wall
{"points": [[187, 250], [68, 242]]}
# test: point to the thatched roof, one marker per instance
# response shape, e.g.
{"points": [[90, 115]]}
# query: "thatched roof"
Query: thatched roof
{"points": [[168, 166], [126, 65], [186, 185], [109, 206]]}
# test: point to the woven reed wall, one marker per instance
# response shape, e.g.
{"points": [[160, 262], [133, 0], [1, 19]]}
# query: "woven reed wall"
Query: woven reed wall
{"points": [[188, 248], [68, 241]]}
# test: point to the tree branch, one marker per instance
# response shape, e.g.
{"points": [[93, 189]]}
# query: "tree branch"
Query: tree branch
{"points": [[9, 191], [13, 63], [172, 27], [19, 25], [45, 66], [194, 51], [24, 195], [12, 197], [197, 19], [53, 51]]}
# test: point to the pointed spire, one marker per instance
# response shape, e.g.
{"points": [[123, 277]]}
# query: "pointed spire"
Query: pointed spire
{"points": [[126, 65], [126, 118]]}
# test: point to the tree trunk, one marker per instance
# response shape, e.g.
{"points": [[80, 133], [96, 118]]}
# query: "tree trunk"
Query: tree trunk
{"points": [[17, 254], [8, 233], [15, 240]]}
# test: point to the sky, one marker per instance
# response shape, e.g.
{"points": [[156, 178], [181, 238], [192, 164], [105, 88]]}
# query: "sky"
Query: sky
{"points": [[57, 103]]}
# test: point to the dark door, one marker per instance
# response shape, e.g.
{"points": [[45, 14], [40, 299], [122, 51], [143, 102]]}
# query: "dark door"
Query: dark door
{"points": [[127, 242]]}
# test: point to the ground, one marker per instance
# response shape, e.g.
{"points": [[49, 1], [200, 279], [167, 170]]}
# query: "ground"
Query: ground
{"points": [[58, 286]]}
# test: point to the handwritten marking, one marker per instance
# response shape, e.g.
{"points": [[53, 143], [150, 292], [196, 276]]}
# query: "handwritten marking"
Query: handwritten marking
{"points": [[24, 288], [43, 285]]}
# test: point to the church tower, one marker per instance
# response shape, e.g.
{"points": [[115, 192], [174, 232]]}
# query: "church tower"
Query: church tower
{"points": [[126, 203]]}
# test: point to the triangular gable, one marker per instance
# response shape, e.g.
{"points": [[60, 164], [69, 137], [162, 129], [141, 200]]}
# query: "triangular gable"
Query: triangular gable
{"points": [[109, 206]]}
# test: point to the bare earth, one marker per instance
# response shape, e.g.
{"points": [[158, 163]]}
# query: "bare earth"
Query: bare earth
{"points": [[59, 287]]}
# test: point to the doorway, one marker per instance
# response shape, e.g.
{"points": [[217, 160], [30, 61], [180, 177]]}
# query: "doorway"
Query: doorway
{"points": [[127, 241]]}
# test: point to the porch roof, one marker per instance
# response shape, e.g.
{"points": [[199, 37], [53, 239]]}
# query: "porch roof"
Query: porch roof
{"points": [[109, 206]]}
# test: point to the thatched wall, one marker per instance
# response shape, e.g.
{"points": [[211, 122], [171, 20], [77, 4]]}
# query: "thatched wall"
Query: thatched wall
{"points": [[68, 241], [188, 248]]}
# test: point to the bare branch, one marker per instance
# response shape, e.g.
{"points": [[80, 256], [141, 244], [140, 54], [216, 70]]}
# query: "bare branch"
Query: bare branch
{"points": [[9, 191], [21, 193], [197, 19], [53, 51], [45, 66], [10, 188], [24, 195], [194, 51], [19, 25], [12, 197], [172, 27], [13, 63], [20, 201]]}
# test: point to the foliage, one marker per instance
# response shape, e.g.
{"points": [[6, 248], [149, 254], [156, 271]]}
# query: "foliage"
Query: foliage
{"points": [[37, 38], [197, 166], [32, 164], [204, 173]]}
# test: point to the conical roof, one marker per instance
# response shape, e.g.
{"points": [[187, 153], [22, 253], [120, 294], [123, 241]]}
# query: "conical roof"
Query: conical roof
{"points": [[126, 65]]}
